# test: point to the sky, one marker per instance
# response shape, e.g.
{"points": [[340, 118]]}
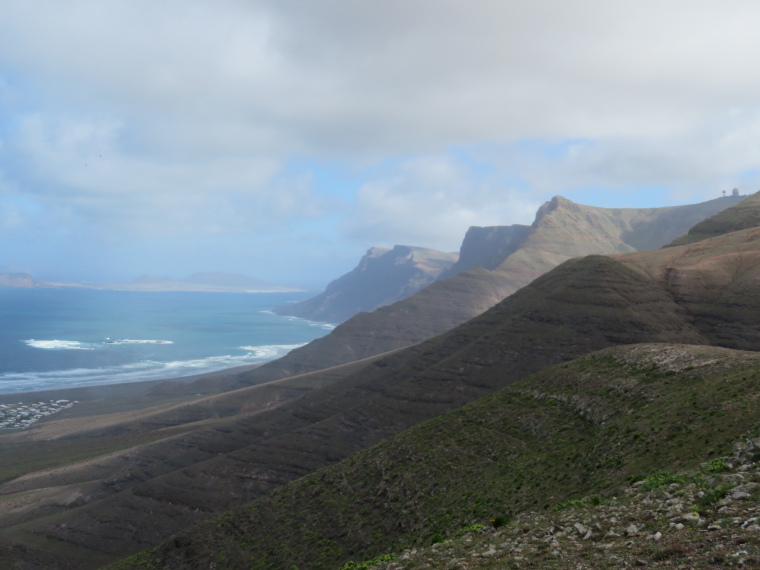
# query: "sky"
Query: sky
{"points": [[283, 138]]}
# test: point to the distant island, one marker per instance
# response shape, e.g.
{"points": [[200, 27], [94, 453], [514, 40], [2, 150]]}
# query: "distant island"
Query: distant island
{"points": [[213, 282]]}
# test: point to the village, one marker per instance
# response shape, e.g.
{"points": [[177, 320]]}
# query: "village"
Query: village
{"points": [[20, 416]]}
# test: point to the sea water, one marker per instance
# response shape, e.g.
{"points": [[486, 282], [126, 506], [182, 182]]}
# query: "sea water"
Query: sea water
{"points": [[61, 338]]}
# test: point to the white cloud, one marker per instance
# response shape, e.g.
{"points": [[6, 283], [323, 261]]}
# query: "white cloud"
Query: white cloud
{"points": [[394, 76], [135, 117], [431, 202]]}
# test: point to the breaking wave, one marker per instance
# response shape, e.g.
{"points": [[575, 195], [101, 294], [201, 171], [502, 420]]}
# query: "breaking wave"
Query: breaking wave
{"points": [[135, 372], [60, 344], [77, 345], [131, 341]]}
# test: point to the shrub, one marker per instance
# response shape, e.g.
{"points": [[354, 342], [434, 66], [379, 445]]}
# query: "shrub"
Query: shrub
{"points": [[717, 466], [468, 529], [662, 480], [367, 564], [713, 495]]}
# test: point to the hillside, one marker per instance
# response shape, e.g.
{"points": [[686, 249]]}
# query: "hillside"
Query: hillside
{"points": [[582, 429], [699, 518], [737, 217], [518, 253], [562, 230], [183, 464], [382, 277]]}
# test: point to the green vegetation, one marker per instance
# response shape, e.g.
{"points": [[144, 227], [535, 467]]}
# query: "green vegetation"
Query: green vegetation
{"points": [[581, 429], [717, 466], [367, 564]]}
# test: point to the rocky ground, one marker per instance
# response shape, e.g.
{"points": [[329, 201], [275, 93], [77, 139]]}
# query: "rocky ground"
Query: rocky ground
{"points": [[685, 520]]}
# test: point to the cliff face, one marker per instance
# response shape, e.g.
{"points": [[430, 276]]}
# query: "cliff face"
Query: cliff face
{"points": [[16, 280], [504, 259], [487, 247], [562, 230], [383, 276]]}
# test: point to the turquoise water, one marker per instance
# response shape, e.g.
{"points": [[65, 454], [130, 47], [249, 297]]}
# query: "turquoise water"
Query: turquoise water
{"points": [[59, 338]]}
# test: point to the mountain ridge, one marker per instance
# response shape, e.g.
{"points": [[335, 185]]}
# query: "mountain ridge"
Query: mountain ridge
{"points": [[382, 277], [562, 229]]}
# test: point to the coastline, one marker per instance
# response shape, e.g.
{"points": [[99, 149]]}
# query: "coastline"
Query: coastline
{"points": [[140, 389]]}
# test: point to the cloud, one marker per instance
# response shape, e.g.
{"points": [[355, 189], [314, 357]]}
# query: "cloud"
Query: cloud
{"points": [[337, 76], [84, 166], [138, 119], [431, 201]]}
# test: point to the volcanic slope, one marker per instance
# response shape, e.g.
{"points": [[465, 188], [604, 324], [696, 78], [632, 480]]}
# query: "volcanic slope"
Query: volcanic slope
{"points": [[581, 429], [382, 277], [116, 504], [562, 230], [746, 214]]}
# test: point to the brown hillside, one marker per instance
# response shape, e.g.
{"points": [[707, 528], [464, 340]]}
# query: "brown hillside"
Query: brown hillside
{"points": [[562, 230]]}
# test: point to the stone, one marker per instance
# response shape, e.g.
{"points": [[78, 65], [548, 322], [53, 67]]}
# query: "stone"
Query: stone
{"points": [[735, 478], [632, 530]]}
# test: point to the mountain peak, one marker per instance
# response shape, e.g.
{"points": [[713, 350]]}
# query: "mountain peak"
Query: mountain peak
{"points": [[555, 203]]}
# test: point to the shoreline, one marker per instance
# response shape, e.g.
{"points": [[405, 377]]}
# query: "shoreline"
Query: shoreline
{"points": [[130, 389]]}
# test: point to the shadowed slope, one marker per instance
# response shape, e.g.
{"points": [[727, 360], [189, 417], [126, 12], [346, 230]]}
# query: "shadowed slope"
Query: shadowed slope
{"points": [[570, 431]]}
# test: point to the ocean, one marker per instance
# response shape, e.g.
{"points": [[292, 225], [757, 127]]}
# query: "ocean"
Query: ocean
{"points": [[62, 338]]}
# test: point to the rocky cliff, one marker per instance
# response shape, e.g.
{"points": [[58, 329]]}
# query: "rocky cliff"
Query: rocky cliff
{"points": [[382, 277], [562, 230]]}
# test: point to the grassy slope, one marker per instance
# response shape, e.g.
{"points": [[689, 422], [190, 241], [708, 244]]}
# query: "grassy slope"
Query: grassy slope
{"points": [[575, 429]]}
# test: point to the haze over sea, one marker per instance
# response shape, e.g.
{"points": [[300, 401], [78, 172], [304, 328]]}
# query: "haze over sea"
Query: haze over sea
{"points": [[62, 338]]}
